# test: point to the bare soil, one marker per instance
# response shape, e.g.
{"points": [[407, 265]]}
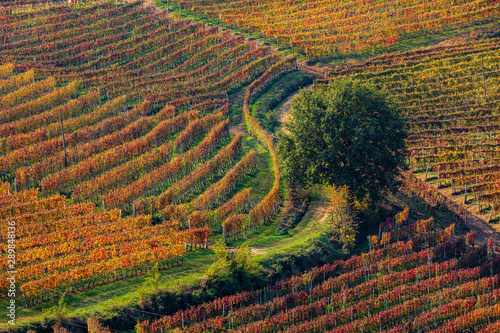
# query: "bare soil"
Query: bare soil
{"points": [[286, 107], [313, 70]]}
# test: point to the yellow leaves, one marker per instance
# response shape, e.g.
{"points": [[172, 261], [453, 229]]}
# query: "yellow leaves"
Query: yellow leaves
{"points": [[386, 238], [41, 96], [402, 216], [374, 240], [425, 225], [449, 231], [234, 205], [6, 70], [78, 247], [27, 93], [142, 221], [166, 113], [234, 224], [4, 188], [16, 81]]}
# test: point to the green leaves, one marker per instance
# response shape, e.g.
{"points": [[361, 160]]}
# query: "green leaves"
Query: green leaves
{"points": [[346, 135], [233, 271]]}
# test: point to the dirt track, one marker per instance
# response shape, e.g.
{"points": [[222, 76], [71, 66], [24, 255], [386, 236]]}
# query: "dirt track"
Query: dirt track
{"points": [[311, 70]]}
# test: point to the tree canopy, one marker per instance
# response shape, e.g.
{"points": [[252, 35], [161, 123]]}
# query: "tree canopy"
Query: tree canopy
{"points": [[348, 134]]}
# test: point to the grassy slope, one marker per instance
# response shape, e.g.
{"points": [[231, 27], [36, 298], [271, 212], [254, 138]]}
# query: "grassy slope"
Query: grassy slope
{"points": [[263, 105], [314, 223], [110, 297], [119, 294]]}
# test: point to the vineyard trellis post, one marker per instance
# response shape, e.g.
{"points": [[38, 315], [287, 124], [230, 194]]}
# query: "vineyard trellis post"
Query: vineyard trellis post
{"points": [[427, 171], [484, 83], [491, 212], [64, 140]]}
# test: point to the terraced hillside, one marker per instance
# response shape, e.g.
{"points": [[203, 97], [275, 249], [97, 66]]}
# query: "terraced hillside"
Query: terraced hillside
{"points": [[142, 122], [327, 29], [128, 138], [69, 248], [449, 97], [430, 282], [108, 114]]}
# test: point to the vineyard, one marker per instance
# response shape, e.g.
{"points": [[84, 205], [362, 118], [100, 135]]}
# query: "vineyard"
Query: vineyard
{"points": [[327, 29], [132, 137], [115, 141], [449, 96], [136, 120], [69, 248], [415, 278]]}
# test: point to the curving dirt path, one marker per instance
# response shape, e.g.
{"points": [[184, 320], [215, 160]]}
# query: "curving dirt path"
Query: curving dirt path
{"points": [[286, 107], [313, 70], [316, 218]]}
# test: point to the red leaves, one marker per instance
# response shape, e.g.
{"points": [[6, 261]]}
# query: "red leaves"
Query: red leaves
{"points": [[76, 244], [320, 27], [48, 47], [372, 291]]}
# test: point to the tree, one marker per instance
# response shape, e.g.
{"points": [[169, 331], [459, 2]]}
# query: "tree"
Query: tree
{"points": [[233, 271], [348, 134], [343, 219], [58, 311], [150, 286]]}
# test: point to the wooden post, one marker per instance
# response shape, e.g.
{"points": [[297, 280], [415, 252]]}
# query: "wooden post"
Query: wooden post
{"points": [[484, 83], [64, 141], [465, 195]]}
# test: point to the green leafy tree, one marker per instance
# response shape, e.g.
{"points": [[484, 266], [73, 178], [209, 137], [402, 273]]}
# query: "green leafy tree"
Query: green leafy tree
{"points": [[151, 285], [348, 134], [233, 271], [58, 311]]}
